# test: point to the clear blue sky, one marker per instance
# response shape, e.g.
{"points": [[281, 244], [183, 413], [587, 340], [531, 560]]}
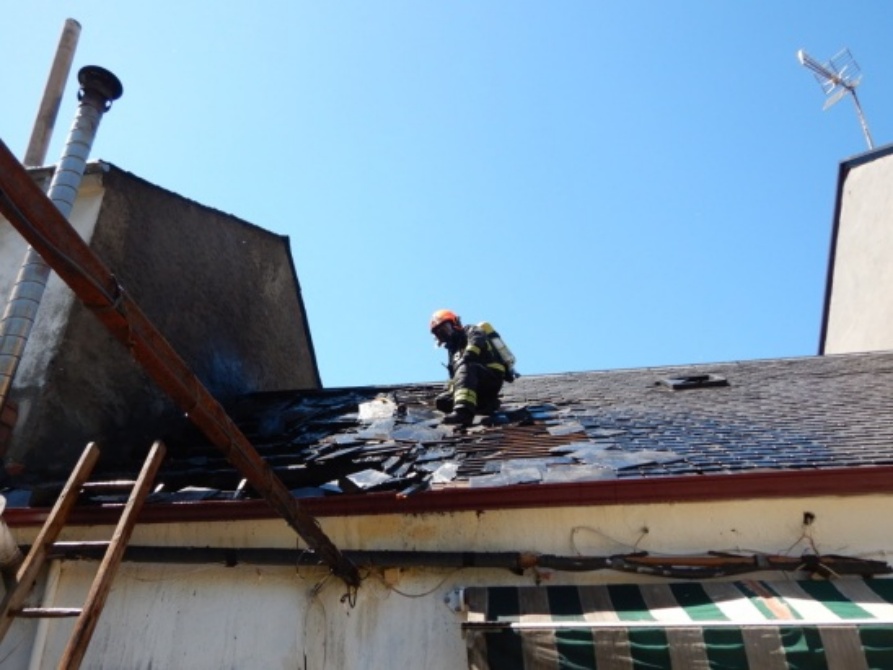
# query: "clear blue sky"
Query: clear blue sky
{"points": [[612, 184]]}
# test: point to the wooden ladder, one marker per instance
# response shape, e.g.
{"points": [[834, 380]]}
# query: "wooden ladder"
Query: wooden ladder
{"points": [[26, 576]]}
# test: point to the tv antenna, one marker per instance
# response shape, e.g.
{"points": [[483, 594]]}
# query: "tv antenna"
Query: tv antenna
{"points": [[837, 77]]}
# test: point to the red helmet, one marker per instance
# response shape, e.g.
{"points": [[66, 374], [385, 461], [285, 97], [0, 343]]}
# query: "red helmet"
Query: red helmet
{"points": [[442, 316]]}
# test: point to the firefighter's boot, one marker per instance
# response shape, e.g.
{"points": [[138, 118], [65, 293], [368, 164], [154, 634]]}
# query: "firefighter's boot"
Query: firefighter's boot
{"points": [[461, 416]]}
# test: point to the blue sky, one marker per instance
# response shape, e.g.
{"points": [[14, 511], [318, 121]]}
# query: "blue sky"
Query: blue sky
{"points": [[612, 184]]}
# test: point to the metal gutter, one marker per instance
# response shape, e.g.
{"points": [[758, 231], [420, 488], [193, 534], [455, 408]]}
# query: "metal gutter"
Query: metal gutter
{"points": [[869, 480], [39, 221]]}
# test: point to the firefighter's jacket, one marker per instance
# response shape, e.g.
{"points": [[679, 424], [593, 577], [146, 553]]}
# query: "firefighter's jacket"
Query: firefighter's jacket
{"points": [[476, 371]]}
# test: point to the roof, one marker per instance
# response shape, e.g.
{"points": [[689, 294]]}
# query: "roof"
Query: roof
{"points": [[664, 431]]}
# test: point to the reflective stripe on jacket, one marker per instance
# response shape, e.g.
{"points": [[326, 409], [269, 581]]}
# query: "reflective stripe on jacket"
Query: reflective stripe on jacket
{"points": [[476, 370]]}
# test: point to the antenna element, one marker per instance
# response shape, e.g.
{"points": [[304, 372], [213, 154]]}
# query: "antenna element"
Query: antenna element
{"points": [[837, 77]]}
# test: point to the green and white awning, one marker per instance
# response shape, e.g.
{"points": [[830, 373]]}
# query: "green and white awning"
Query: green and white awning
{"points": [[842, 624]]}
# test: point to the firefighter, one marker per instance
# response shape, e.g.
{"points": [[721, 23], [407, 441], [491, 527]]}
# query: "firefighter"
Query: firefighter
{"points": [[476, 371]]}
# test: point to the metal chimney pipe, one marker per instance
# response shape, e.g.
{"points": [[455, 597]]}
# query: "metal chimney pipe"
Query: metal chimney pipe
{"points": [[99, 88]]}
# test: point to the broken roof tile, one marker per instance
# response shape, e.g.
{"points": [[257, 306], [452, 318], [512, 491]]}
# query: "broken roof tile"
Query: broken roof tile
{"points": [[774, 415], [566, 428]]}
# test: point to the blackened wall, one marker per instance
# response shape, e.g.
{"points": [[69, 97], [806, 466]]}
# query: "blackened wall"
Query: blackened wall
{"points": [[222, 291]]}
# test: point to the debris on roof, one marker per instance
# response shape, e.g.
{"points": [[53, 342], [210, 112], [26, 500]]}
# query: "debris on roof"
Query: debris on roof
{"points": [[788, 414]]}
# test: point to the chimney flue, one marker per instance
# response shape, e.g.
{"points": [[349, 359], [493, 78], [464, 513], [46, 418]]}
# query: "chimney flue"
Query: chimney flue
{"points": [[99, 82], [99, 88]]}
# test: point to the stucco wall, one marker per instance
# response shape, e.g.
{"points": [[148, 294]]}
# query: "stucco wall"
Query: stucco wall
{"points": [[57, 298], [222, 291], [859, 307], [261, 616]]}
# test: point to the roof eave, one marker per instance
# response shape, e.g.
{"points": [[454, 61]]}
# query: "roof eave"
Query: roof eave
{"points": [[685, 489]]}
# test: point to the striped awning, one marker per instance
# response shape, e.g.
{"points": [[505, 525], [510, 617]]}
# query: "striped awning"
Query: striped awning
{"points": [[846, 624]]}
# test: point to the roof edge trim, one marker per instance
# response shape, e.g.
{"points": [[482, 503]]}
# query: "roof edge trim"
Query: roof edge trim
{"points": [[655, 490]]}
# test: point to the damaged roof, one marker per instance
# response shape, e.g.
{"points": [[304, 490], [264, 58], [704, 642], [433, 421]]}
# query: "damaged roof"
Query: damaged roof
{"points": [[588, 428]]}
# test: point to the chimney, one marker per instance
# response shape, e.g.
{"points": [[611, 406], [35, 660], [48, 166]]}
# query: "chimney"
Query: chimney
{"points": [[99, 88]]}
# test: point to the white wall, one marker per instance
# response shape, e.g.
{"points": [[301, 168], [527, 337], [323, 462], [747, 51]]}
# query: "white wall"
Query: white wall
{"points": [[860, 311], [208, 616], [57, 299]]}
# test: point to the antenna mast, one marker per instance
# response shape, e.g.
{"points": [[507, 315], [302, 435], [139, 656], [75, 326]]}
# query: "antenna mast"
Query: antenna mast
{"points": [[838, 77]]}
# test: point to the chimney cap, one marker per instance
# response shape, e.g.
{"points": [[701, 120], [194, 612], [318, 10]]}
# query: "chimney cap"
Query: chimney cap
{"points": [[101, 81]]}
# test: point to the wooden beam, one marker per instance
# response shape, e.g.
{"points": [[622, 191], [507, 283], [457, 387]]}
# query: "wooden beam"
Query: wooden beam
{"points": [[36, 218]]}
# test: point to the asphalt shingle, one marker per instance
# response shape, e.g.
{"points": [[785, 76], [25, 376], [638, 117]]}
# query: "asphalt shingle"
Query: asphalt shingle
{"points": [[766, 415]]}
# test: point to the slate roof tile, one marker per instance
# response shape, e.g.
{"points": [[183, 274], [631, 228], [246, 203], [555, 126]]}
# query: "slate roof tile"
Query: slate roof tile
{"points": [[780, 414]]}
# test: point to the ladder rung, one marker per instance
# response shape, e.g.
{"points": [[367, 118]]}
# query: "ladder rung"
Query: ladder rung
{"points": [[48, 612], [117, 485], [11, 605], [79, 546]]}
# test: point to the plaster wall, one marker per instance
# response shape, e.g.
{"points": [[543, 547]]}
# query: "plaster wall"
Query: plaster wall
{"points": [[860, 309], [223, 292], [55, 307], [210, 616], [859, 525]]}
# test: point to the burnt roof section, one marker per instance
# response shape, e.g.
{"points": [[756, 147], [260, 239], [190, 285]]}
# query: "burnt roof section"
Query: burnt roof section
{"points": [[770, 415]]}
